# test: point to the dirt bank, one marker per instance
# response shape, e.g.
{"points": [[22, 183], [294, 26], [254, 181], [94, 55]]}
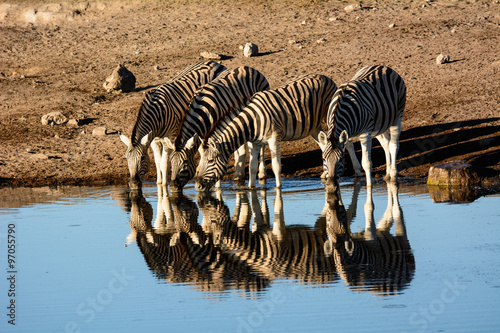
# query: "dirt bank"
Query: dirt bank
{"points": [[56, 57]]}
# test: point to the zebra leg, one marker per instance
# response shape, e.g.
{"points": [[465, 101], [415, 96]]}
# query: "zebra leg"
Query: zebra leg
{"points": [[254, 160], [240, 158], [355, 163], [165, 163], [275, 147], [395, 131], [157, 147], [366, 160], [384, 142], [262, 164]]}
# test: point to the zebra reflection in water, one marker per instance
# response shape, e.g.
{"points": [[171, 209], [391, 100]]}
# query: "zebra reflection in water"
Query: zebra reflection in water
{"points": [[276, 251], [179, 251], [373, 259], [245, 250]]}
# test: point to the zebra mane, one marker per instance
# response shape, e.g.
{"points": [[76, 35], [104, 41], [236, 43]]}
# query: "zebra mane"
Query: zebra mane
{"points": [[136, 136], [339, 94]]}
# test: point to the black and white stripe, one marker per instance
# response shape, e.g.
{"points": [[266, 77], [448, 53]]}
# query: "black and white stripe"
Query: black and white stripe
{"points": [[160, 116], [370, 105], [230, 91], [290, 112]]}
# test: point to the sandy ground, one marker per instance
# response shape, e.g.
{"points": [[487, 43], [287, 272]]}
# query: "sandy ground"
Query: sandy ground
{"points": [[56, 57]]}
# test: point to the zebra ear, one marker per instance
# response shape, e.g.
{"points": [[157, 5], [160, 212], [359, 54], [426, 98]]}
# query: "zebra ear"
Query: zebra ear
{"points": [[192, 141], [169, 143], [125, 140], [322, 140], [147, 139], [343, 137]]}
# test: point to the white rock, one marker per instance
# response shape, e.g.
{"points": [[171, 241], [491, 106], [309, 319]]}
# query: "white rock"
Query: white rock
{"points": [[352, 8], [54, 118], [250, 50], [74, 122], [99, 131], [442, 59], [39, 156], [210, 55]]}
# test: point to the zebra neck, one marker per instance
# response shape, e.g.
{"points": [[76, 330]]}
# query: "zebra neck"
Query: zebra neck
{"points": [[233, 134]]}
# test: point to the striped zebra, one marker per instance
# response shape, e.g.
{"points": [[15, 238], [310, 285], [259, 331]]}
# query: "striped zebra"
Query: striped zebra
{"points": [[290, 112], [231, 90], [160, 116], [370, 105], [372, 259]]}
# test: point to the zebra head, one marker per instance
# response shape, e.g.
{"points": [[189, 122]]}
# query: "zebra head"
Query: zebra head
{"points": [[213, 165], [333, 158], [183, 162], [137, 159]]}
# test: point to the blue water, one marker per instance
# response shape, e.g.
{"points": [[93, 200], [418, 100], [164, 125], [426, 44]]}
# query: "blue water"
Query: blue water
{"points": [[93, 260]]}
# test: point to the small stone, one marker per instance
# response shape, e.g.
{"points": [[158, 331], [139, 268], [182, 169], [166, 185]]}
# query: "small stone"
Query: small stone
{"points": [[156, 68], [74, 122], [352, 8], [392, 25], [241, 47], [321, 41], [39, 156], [442, 59], [333, 19], [250, 50], [121, 79], [210, 55], [99, 131], [54, 118]]}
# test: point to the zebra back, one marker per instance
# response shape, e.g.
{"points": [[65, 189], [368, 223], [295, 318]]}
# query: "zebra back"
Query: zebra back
{"points": [[164, 107], [372, 101], [231, 90], [293, 110]]}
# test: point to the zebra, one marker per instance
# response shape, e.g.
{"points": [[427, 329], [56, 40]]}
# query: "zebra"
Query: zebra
{"points": [[290, 112], [372, 259], [231, 90], [160, 116], [370, 105]]}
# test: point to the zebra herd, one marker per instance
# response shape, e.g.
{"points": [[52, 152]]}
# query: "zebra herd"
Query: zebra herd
{"points": [[220, 111]]}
